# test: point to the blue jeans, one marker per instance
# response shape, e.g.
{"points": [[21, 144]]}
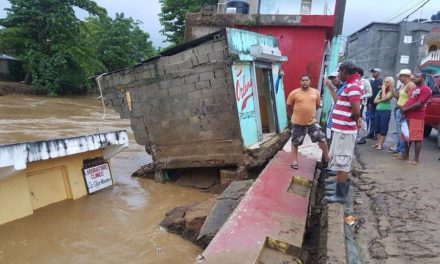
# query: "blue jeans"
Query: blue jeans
{"points": [[371, 123], [400, 144], [382, 121]]}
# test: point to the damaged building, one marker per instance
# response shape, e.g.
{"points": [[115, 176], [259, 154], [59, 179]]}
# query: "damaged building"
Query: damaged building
{"points": [[215, 101]]}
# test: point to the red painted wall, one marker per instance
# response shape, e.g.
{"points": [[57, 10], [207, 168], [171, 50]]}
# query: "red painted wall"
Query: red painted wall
{"points": [[304, 47]]}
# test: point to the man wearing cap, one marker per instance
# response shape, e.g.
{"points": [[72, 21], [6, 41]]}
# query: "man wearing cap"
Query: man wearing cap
{"points": [[402, 97], [345, 124], [376, 85], [414, 111], [335, 87], [368, 92]]}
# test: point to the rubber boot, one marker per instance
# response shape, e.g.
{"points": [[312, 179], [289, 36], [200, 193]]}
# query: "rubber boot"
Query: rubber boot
{"points": [[330, 187], [341, 192], [330, 173], [330, 181], [330, 193]]}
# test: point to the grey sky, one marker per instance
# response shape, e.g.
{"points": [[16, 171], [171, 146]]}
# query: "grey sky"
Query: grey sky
{"points": [[358, 13]]}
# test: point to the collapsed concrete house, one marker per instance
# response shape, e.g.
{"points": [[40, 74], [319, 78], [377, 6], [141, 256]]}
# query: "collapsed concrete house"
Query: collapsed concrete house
{"points": [[216, 101]]}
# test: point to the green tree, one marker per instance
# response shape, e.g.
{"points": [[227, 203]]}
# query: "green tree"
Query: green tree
{"points": [[119, 42], [172, 17], [61, 52], [44, 35]]}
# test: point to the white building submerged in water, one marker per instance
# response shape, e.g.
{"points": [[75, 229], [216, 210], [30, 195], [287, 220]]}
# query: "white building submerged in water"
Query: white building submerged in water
{"points": [[37, 174]]}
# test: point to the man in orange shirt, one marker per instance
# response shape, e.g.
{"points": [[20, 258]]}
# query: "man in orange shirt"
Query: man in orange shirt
{"points": [[303, 102]]}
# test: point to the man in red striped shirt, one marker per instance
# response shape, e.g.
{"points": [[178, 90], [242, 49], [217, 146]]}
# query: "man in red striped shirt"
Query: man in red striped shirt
{"points": [[346, 122]]}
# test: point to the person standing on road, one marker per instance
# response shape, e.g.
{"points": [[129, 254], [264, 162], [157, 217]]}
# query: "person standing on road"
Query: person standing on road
{"points": [[346, 121], [383, 111], [402, 96], [335, 87], [414, 111], [301, 105], [376, 85], [368, 92]]}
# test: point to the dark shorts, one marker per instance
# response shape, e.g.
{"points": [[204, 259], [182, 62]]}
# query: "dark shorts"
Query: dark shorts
{"points": [[299, 133], [382, 121]]}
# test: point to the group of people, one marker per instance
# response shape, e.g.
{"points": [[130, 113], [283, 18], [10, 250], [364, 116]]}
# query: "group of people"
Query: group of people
{"points": [[362, 109], [412, 96]]}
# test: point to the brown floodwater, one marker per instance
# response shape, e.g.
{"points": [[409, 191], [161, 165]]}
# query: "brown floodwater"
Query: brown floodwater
{"points": [[116, 225]]}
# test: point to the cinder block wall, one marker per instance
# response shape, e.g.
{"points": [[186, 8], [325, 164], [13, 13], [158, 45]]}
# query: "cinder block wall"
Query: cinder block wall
{"points": [[183, 106]]}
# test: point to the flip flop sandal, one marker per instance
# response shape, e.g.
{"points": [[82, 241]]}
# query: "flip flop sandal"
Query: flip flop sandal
{"points": [[379, 148], [414, 163], [294, 166]]}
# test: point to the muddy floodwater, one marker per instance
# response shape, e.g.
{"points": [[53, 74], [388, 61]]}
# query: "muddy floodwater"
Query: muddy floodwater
{"points": [[116, 225]]}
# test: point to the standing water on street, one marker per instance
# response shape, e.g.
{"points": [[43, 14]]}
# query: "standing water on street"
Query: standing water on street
{"points": [[116, 225]]}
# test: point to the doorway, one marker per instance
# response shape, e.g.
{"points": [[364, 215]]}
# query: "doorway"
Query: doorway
{"points": [[47, 187], [266, 98]]}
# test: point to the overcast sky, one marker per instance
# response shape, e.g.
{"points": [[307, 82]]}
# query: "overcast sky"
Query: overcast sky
{"points": [[358, 13]]}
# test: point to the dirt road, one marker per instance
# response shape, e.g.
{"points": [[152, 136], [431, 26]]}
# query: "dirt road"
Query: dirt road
{"points": [[400, 206]]}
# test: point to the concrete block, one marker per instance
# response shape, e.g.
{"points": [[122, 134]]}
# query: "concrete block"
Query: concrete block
{"points": [[171, 68], [188, 54], [219, 46], [205, 48], [174, 90], [216, 56], [206, 76], [188, 87], [159, 176], [217, 82], [163, 61], [203, 85], [206, 135], [220, 74], [185, 65], [207, 93], [195, 95], [163, 93], [175, 59], [146, 74], [178, 81], [165, 124], [192, 78], [180, 97], [202, 59], [194, 120], [165, 107], [165, 84]]}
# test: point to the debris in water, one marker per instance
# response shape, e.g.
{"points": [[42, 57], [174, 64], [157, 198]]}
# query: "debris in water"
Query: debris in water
{"points": [[351, 220]]}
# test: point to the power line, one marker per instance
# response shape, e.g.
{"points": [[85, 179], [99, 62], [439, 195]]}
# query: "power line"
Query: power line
{"points": [[398, 10], [380, 40], [427, 1], [418, 3]]}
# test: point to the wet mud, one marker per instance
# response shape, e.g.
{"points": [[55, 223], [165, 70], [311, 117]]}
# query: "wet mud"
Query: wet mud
{"points": [[398, 206]]}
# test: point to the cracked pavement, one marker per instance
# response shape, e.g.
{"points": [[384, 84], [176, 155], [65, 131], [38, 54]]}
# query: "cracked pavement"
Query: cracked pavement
{"points": [[398, 205]]}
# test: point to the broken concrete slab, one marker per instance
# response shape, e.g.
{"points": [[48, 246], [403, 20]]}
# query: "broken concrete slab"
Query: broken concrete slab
{"points": [[187, 220], [336, 253], [222, 209]]}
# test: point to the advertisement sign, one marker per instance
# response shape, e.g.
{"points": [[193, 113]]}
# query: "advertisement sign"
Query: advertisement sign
{"points": [[280, 100], [244, 97], [98, 177]]}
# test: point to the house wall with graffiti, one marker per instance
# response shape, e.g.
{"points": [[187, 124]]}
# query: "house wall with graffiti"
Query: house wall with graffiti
{"points": [[244, 96]]}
